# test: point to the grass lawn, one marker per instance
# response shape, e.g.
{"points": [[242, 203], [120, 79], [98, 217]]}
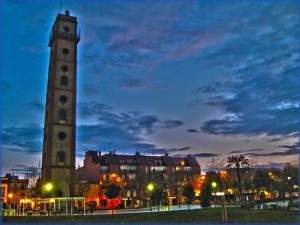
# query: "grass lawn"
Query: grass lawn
{"points": [[210, 215]]}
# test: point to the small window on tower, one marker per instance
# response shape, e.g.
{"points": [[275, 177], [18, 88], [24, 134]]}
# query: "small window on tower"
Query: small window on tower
{"points": [[66, 29], [65, 51], [63, 99], [64, 68], [64, 81], [61, 157], [62, 116], [62, 135]]}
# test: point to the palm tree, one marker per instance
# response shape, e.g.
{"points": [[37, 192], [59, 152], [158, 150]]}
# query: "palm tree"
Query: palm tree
{"points": [[237, 161]]}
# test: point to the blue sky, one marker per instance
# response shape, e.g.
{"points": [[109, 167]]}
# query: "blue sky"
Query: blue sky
{"points": [[207, 78]]}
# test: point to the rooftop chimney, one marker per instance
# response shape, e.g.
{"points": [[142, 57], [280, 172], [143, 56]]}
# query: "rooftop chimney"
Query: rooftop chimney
{"points": [[67, 13]]}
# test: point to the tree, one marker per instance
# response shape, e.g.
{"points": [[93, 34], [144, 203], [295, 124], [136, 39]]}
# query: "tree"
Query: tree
{"points": [[262, 180], [157, 194], [238, 162], [205, 195], [219, 167], [111, 192], [33, 175], [189, 193], [290, 177]]}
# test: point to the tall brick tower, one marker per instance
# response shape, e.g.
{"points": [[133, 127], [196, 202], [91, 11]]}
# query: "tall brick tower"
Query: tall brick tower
{"points": [[58, 163]]}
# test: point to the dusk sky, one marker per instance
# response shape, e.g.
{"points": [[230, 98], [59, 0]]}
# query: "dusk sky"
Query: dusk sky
{"points": [[207, 78]]}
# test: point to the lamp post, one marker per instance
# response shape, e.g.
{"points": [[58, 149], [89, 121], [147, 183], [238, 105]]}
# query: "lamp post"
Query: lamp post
{"points": [[150, 188], [9, 199], [214, 185], [291, 193], [48, 187]]}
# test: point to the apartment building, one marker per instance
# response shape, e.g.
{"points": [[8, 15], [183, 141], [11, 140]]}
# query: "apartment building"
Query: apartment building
{"points": [[13, 190], [133, 173]]}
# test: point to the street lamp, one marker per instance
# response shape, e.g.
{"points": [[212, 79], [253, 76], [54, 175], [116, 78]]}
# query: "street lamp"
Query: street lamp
{"points": [[291, 192], [214, 185], [150, 188], [48, 187], [9, 199]]}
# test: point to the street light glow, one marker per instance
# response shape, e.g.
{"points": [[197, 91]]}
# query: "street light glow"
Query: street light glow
{"points": [[150, 187], [214, 184], [48, 186]]}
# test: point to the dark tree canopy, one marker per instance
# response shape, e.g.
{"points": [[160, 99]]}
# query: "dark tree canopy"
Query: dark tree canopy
{"points": [[189, 193], [112, 191], [205, 195]]}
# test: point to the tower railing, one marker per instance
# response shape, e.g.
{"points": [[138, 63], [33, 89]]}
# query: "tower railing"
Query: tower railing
{"points": [[64, 35]]}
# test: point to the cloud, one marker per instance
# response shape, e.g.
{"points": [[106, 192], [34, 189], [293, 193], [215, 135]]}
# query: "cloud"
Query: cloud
{"points": [[205, 155], [192, 131], [125, 130], [132, 121], [259, 67], [245, 151], [294, 147], [23, 139], [290, 152], [179, 149], [132, 84], [172, 123]]}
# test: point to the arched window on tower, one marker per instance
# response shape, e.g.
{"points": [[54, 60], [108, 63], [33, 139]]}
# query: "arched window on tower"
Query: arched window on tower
{"points": [[64, 81], [62, 116], [61, 157]]}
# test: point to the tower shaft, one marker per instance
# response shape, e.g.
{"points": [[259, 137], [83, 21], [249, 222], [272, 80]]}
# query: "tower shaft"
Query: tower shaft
{"points": [[59, 146]]}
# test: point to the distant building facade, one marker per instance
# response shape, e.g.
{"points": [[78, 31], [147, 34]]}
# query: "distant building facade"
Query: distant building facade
{"points": [[133, 173], [58, 160], [13, 190]]}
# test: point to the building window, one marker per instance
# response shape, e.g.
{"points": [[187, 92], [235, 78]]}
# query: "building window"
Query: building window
{"points": [[65, 51], [61, 157], [66, 29], [63, 99], [64, 81], [62, 116], [131, 176], [62, 135], [104, 168], [64, 68]]}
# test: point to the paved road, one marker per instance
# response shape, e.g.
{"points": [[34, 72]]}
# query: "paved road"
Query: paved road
{"points": [[144, 210]]}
